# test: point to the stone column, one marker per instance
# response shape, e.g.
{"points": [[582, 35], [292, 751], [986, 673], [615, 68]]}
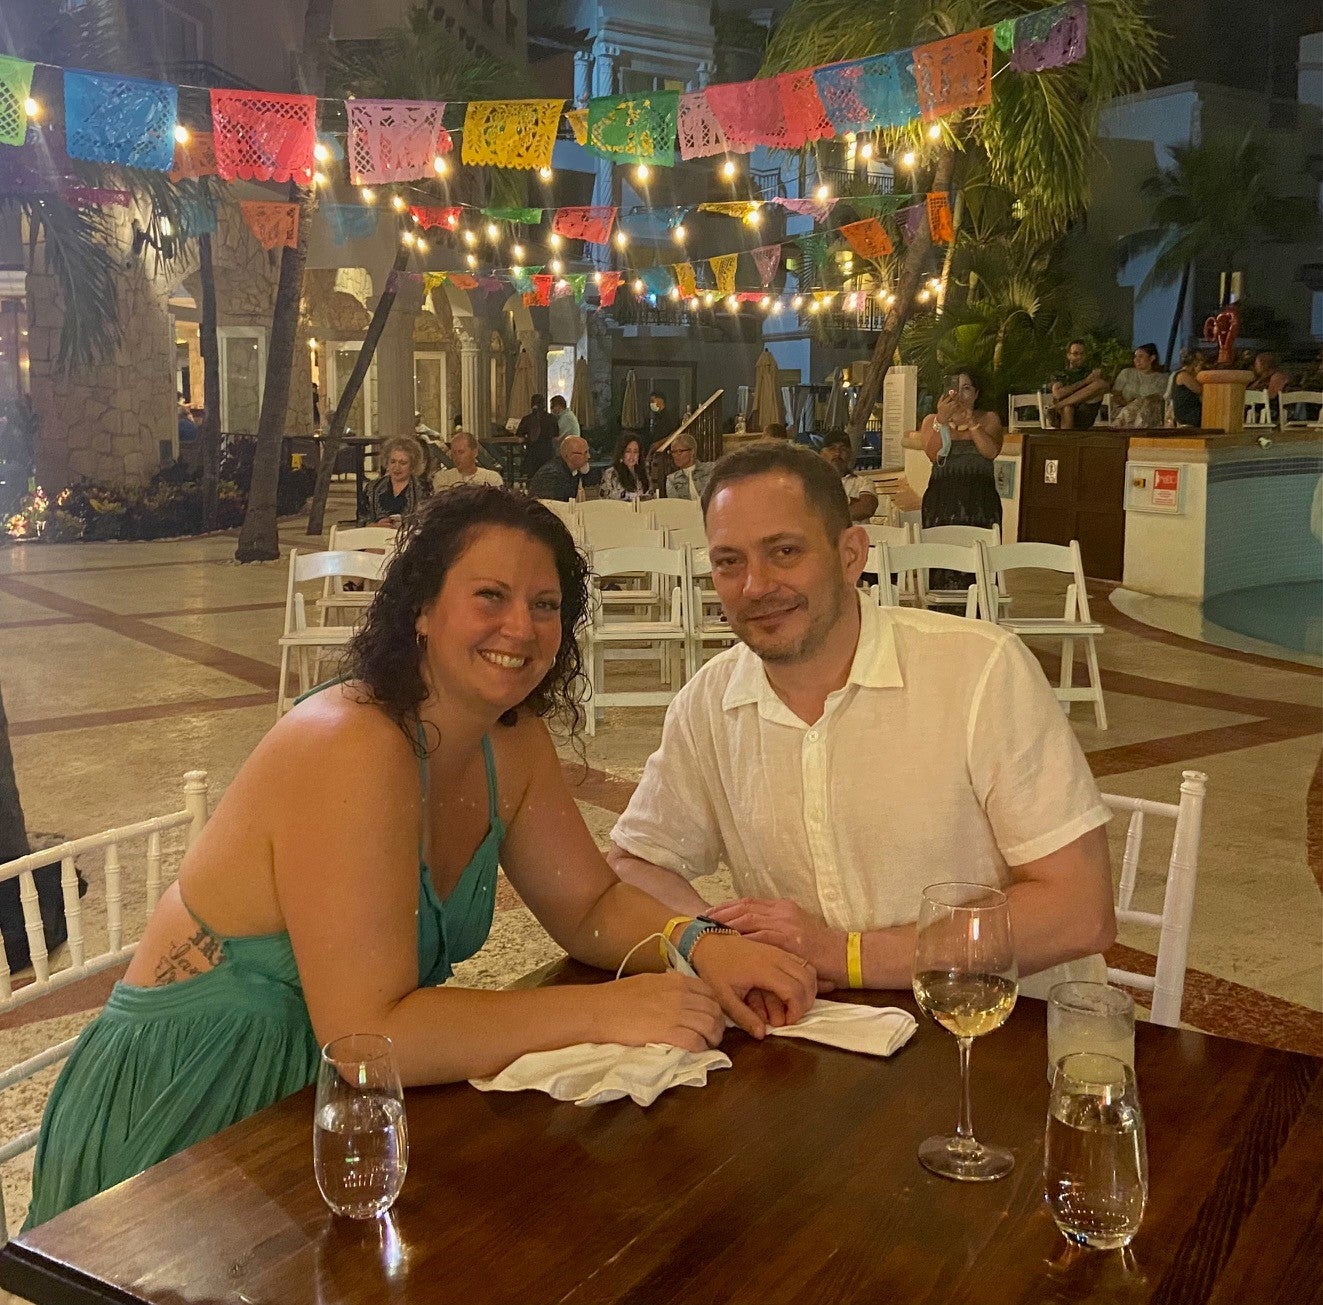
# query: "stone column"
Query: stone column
{"points": [[394, 359], [583, 78], [537, 350], [472, 380], [604, 83], [704, 75]]}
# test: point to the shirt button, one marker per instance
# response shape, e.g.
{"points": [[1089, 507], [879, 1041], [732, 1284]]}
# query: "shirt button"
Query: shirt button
{"points": [[813, 736]]}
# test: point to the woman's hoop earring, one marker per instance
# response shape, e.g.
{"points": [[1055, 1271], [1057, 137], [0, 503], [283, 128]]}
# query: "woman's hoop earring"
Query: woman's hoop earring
{"points": [[421, 640]]}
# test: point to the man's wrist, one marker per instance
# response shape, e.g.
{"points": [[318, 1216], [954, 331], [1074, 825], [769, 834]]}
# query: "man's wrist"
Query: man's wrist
{"points": [[831, 961]]}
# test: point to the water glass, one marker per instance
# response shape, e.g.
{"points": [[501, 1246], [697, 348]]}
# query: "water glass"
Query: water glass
{"points": [[1095, 1169], [1090, 1017], [360, 1141]]}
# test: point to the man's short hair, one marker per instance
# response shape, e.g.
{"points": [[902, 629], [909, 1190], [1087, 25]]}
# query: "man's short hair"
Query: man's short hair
{"points": [[538, 401], [558, 398], [467, 436], [684, 442], [820, 481], [1081, 344], [836, 439]]}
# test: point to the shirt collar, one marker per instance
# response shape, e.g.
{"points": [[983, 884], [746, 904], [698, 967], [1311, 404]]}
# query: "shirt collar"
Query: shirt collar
{"points": [[875, 665]]}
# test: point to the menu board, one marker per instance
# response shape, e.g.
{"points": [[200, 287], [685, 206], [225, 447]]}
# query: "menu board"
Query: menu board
{"points": [[900, 402]]}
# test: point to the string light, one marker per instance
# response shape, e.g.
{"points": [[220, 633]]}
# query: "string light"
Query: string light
{"points": [[753, 217], [674, 292], [638, 286], [729, 169], [312, 343], [320, 152], [554, 240], [556, 267], [908, 159], [545, 174], [597, 278], [814, 306], [398, 204], [732, 304], [416, 218], [367, 195], [319, 178], [924, 295], [797, 302], [823, 191], [471, 260], [493, 231], [407, 237], [889, 300], [622, 239], [642, 172], [766, 301], [31, 108], [440, 166], [866, 150], [421, 245], [709, 299], [934, 283], [518, 252], [181, 132], [679, 234], [693, 304], [470, 237]]}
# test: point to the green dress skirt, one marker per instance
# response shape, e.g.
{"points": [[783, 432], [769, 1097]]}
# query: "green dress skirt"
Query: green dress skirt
{"points": [[162, 1068]]}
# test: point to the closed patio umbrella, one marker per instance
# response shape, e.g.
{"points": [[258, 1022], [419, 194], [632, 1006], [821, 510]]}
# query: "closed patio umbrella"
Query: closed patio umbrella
{"points": [[838, 403], [630, 419], [499, 413], [521, 391], [768, 405], [581, 400]]}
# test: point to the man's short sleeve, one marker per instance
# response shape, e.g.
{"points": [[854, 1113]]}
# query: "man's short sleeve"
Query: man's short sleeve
{"points": [[670, 820], [1026, 765]]}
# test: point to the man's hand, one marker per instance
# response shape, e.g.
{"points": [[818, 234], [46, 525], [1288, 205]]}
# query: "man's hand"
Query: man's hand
{"points": [[783, 924], [756, 985]]}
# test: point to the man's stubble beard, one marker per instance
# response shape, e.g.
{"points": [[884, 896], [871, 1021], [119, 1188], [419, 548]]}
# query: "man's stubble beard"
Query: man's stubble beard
{"points": [[815, 636]]}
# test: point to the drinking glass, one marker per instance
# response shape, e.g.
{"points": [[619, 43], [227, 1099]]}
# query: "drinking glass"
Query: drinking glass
{"points": [[1090, 1017], [965, 979], [360, 1142], [1095, 1167]]}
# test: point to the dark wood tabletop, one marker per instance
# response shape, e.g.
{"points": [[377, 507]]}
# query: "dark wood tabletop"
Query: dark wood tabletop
{"points": [[790, 1177]]}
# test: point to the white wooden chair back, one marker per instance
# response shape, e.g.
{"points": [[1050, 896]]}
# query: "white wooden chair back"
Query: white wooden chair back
{"points": [[1032, 403], [674, 513], [93, 944], [918, 560], [341, 564], [606, 509], [567, 512], [1258, 411], [1289, 400], [630, 531], [1062, 558], [687, 536], [653, 559], [362, 538], [1173, 923]]}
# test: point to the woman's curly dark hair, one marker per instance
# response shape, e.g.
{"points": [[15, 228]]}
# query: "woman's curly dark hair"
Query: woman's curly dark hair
{"points": [[384, 656]]}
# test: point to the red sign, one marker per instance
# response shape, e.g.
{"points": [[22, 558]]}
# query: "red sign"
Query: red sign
{"points": [[1166, 482]]}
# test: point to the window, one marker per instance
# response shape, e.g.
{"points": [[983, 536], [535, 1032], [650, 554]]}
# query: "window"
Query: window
{"points": [[242, 377]]}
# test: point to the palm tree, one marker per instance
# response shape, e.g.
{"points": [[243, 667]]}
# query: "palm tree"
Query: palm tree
{"points": [[418, 60], [1213, 202], [1036, 138]]}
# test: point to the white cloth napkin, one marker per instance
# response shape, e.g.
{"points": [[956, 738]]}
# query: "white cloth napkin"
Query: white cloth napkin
{"points": [[592, 1073]]}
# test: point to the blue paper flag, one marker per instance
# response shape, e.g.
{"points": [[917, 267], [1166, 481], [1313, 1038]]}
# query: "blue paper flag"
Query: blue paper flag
{"points": [[350, 221], [865, 93], [121, 120], [659, 280], [196, 218], [652, 223]]}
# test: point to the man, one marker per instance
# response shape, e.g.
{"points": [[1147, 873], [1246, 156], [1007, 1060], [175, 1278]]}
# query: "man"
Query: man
{"points": [[845, 756], [689, 478], [660, 423], [466, 471], [1270, 378], [562, 477], [839, 453], [566, 422], [538, 431], [1077, 391]]}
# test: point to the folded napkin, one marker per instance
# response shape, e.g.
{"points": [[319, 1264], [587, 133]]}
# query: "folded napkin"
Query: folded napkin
{"points": [[592, 1073]]}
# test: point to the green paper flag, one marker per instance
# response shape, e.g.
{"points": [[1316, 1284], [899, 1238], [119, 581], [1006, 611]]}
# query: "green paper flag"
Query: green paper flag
{"points": [[522, 278], [15, 87], [577, 283], [638, 129], [528, 216], [1003, 34]]}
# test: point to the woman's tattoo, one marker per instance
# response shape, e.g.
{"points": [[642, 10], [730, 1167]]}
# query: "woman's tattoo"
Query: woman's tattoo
{"points": [[180, 963]]}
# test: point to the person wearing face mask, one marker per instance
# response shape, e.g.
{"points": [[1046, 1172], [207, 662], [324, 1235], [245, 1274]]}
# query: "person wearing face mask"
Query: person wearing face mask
{"points": [[661, 422]]}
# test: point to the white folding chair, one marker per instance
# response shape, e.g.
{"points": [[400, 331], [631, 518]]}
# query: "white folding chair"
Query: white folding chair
{"points": [[917, 560], [891, 534], [661, 640], [308, 643], [1074, 624], [1258, 410], [335, 597], [674, 513], [95, 943], [1289, 401], [1034, 403], [1168, 983], [595, 510], [1104, 411], [708, 626], [686, 536], [963, 535]]}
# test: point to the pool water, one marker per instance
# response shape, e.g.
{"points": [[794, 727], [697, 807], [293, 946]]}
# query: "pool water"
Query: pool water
{"points": [[1289, 615]]}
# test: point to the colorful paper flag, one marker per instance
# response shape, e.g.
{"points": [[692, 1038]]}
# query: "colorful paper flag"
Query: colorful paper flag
{"points": [[817, 209], [911, 219], [1051, 38], [732, 208], [542, 283], [802, 110], [463, 281], [658, 280], [194, 158], [428, 217], [511, 133], [635, 129], [527, 216], [434, 281], [271, 224], [750, 113], [394, 140], [699, 132], [123, 120], [954, 74], [868, 238], [260, 136], [592, 223], [607, 285], [767, 259], [724, 267], [862, 94], [686, 280], [15, 87], [578, 120], [939, 218]]}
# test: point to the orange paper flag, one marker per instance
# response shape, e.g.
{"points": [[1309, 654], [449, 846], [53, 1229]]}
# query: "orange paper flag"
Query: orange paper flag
{"points": [[939, 218], [868, 238], [271, 224]]}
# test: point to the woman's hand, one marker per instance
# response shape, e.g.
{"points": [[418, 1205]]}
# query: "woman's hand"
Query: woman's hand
{"points": [[756, 984], [948, 408], [670, 1008]]}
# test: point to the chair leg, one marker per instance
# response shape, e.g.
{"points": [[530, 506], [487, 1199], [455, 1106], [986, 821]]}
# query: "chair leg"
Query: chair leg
{"points": [[1067, 669], [1095, 679], [281, 700]]}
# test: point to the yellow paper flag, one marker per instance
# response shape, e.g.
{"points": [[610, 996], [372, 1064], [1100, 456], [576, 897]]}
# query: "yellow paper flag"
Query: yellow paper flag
{"points": [[511, 133], [684, 278], [723, 269], [734, 208], [578, 120]]}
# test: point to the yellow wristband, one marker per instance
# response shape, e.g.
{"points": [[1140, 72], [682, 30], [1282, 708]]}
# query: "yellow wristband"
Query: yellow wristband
{"points": [[666, 935], [854, 961]]}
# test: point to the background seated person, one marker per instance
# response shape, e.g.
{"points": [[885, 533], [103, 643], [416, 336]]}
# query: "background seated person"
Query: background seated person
{"points": [[1270, 378], [353, 862], [773, 755], [566, 422], [1185, 404], [400, 490], [838, 451], [690, 476], [1138, 393], [626, 479], [1077, 391], [466, 471], [562, 476]]}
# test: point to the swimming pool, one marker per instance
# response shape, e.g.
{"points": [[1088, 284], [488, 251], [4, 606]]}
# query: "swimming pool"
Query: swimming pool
{"points": [[1289, 615]]}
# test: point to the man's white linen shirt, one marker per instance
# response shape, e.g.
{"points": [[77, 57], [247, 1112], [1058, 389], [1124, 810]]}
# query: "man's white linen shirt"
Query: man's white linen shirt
{"points": [[448, 478], [945, 756], [855, 486]]}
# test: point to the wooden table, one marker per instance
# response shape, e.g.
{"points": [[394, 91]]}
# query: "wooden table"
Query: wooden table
{"points": [[791, 1177]]}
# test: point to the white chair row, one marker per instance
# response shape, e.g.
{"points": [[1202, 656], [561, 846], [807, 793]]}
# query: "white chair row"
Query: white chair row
{"points": [[675, 621], [1039, 404], [985, 597], [607, 522], [93, 944]]}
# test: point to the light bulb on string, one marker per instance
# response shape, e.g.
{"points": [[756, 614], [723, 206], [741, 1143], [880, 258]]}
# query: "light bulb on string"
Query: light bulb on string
{"points": [[421, 245], [924, 295], [674, 292], [470, 237], [889, 300], [367, 194], [181, 133], [679, 234], [493, 231], [732, 304], [471, 260], [814, 307], [622, 239], [545, 174], [517, 251], [440, 166], [397, 203], [320, 152], [935, 131], [597, 278], [638, 287], [416, 219], [766, 301], [31, 107], [642, 173], [407, 237], [730, 169], [556, 267], [319, 178], [866, 150], [908, 159], [934, 283], [709, 299], [797, 302], [554, 240], [693, 304], [753, 217], [823, 191]]}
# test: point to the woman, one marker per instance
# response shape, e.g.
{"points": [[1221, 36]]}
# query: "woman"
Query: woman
{"points": [[400, 490], [962, 442], [626, 478], [1138, 392], [1185, 393], [353, 860]]}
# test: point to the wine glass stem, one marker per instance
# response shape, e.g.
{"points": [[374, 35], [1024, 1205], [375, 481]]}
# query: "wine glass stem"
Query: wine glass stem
{"points": [[965, 1129]]}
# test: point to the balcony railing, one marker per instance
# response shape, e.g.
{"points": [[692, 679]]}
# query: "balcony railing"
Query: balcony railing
{"points": [[846, 181]]}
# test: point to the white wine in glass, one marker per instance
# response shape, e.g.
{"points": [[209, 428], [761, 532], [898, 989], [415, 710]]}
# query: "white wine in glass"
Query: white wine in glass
{"points": [[965, 979]]}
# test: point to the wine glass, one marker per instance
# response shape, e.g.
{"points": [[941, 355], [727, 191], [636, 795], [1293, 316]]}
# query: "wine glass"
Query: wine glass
{"points": [[360, 1141], [965, 979]]}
